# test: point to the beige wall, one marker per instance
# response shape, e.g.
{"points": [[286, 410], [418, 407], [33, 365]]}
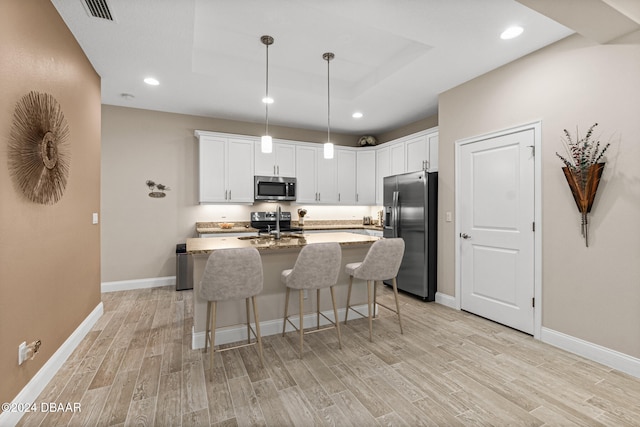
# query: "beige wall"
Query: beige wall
{"points": [[49, 255], [426, 123], [139, 233], [589, 293]]}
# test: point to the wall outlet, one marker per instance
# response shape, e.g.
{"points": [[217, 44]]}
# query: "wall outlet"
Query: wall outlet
{"points": [[22, 352]]}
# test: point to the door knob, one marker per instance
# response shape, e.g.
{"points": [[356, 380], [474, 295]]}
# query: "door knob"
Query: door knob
{"points": [[465, 236]]}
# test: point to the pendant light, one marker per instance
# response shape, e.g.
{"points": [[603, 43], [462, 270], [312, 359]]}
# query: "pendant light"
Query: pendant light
{"points": [[266, 142], [328, 146]]}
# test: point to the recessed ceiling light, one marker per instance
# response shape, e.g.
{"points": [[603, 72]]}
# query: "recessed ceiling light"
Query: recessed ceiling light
{"points": [[511, 32], [151, 81], [267, 100], [357, 115]]}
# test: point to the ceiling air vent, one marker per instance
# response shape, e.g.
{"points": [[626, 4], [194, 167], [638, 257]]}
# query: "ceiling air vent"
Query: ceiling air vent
{"points": [[98, 9]]}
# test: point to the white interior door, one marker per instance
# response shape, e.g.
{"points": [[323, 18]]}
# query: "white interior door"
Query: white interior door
{"points": [[496, 214]]}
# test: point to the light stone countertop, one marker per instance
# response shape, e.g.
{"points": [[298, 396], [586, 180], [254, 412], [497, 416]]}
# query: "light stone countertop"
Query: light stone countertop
{"points": [[209, 244]]}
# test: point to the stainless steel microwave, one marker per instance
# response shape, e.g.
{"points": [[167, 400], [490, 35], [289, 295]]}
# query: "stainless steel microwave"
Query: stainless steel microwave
{"points": [[275, 188]]}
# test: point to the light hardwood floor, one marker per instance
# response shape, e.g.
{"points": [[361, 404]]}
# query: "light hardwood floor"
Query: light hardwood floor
{"points": [[136, 367]]}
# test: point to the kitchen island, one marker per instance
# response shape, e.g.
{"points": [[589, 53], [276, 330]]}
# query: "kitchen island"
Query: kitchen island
{"points": [[277, 255]]}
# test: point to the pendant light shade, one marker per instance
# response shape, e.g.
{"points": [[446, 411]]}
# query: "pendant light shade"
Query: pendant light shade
{"points": [[266, 142], [328, 150], [328, 146]]}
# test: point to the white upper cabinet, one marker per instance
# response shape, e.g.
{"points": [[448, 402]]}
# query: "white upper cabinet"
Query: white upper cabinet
{"points": [[433, 152], [347, 177], [316, 176], [383, 168], [306, 175], [398, 160], [354, 176], [280, 162], [225, 168], [365, 177], [422, 153]]}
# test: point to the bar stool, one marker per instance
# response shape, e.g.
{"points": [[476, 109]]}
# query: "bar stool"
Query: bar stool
{"points": [[232, 274], [382, 262], [317, 267]]}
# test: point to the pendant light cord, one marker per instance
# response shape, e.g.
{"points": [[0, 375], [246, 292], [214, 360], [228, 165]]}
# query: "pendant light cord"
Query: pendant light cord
{"points": [[267, 40], [328, 102], [328, 56], [267, 95]]}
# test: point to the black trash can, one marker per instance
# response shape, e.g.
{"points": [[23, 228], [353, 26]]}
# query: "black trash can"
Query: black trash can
{"points": [[184, 268]]}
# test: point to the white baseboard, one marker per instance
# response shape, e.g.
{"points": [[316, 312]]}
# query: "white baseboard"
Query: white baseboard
{"points": [[125, 285], [270, 327], [34, 387], [446, 300], [595, 352]]}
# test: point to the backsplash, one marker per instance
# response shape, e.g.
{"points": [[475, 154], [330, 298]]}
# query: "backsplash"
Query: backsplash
{"points": [[236, 213]]}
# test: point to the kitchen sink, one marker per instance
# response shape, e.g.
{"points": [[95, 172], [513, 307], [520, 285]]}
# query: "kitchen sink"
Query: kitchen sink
{"points": [[269, 238]]}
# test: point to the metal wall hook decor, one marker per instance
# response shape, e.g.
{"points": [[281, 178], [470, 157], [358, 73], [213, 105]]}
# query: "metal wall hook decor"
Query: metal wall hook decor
{"points": [[583, 170], [38, 149], [160, 187]]}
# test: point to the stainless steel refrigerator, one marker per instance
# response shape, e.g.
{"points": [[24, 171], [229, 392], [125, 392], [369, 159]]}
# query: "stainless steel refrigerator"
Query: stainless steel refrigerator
{"points": [[410, 212]]}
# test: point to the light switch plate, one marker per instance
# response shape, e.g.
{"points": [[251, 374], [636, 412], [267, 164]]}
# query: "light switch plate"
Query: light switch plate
{"points": [[95, 217], [448, 216]]}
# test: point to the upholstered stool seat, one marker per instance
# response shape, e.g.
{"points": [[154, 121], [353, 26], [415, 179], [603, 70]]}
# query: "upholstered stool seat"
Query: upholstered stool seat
{"points": [[382, 262], [232, 274], [316, 267]]}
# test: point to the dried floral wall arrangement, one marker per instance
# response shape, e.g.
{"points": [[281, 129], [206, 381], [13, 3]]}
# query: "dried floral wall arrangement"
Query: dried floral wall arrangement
{"points": [[160, 187], [583, 169], [38, 151]]}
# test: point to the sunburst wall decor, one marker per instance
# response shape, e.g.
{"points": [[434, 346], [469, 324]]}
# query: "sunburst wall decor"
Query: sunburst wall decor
{"points": [[39, 153]]}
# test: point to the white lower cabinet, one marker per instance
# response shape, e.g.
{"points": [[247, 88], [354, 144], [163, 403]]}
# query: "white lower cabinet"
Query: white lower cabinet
{"points": [[225, 169]]}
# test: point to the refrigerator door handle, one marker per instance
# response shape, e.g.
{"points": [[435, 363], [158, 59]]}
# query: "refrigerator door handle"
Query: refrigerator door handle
{"points": [[395, 212]]}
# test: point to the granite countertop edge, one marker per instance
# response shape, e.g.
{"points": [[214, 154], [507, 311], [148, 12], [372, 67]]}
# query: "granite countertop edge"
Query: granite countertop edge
{"points": [[213, 228], [207, 245]]}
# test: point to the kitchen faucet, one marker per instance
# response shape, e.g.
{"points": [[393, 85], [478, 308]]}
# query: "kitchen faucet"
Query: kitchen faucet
{"points": [[276, 233]]}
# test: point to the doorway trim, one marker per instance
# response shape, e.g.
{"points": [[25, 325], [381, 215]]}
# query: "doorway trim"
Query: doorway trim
{"points": [[536, 126]]}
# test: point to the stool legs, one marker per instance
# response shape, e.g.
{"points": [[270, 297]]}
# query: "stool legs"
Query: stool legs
{"points": [[286, 310], [300, 329], [246, 300], [372, 303], [346, 315], [370, 285], [258, 335], [207, 330], [317, 308], [211, 334], [301, 316], [335, 314], [395, 294]]}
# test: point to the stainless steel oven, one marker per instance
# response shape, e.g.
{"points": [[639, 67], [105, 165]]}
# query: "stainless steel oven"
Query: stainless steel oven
{"points": [[275, 188]]}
